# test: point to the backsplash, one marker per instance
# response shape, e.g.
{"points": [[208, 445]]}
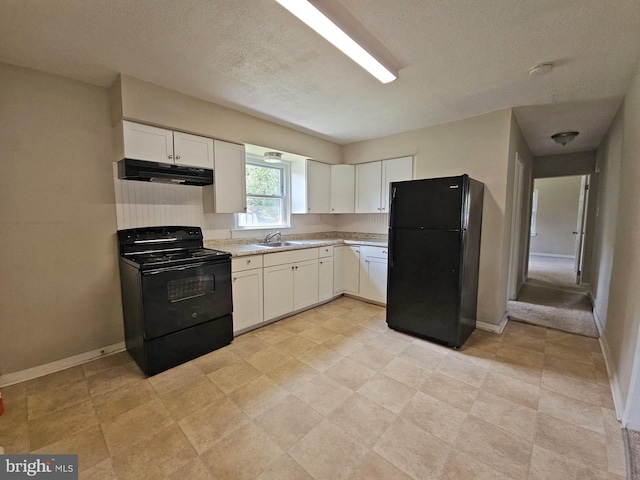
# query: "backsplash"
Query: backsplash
{"points": [[363, 223], [143, 204]]}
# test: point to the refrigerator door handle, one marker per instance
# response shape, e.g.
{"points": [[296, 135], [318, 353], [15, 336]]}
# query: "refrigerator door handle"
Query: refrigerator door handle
{"points": [[391, 226]]}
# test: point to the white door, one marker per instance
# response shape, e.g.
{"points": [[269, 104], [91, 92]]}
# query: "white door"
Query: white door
{"points": [[229, 178], [143, 142], [278, 291], [352, 270], [580, 227], [305, 284], [325, 279], [318, 187], [394, 170], [368, 178], [192, 150], [247, 299], [339, 255], [516, 228], [343, 178]]}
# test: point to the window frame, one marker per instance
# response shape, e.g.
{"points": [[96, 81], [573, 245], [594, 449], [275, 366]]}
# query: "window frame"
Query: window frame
{"points": [[285, 172]]}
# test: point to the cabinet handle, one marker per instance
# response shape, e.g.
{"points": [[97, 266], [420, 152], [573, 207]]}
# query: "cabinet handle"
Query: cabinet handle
{"points": [[170, 156], [384, 251], [235, 278], [382, 207], [378, 208], [245, 209], [292, 267], [296, 268], [248, 262], [309, 209], [320, 263], [332, 209], [177, 157]]}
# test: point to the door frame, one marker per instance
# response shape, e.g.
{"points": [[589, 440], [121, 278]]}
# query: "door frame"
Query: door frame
{"points": [[516, 227]]}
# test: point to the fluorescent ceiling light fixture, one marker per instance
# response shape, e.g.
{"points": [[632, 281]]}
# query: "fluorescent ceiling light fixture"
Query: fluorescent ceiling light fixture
{"points": [[315, 19]]}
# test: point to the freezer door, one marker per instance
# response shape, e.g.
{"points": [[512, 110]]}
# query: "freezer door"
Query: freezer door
{"points": [[435, 203], [423, 293]]}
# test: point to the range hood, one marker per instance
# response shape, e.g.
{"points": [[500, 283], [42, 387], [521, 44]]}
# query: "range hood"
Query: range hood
{"points": [[143, 171]]}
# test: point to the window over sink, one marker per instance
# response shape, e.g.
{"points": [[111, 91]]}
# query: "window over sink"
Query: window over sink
{"points": [[267, 195]]}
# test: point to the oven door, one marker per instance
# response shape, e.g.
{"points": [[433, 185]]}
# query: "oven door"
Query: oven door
{"points": [[179, 297]]}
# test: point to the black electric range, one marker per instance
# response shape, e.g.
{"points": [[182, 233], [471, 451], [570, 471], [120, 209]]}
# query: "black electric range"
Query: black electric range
{"points": [[176, 296]]}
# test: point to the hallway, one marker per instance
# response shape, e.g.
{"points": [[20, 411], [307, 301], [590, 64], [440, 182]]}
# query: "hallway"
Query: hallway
{"points": [[551, 298]]}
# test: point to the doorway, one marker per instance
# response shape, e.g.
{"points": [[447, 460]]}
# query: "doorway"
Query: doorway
{"points": [[558, 222], [553, 294]]}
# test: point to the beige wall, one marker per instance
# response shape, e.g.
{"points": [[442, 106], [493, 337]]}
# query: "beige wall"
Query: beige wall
{"points": [[582, 163], [59, 283], [616, 273], [148, 103], [478, 146], [557, 215]]}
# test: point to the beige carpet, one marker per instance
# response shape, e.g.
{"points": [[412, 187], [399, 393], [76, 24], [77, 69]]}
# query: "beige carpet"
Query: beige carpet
{"points": [[550, 298], [633, 442]]}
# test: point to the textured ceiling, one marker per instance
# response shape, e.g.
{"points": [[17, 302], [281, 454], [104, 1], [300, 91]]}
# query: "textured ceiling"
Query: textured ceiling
{"points": [[458, 58]]}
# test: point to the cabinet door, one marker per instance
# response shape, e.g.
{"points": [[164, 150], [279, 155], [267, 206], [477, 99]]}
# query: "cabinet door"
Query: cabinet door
{"points": [[278, 290], [343, 184], [247, 299], [305, 284], [193, 150], [143, 142], [394, 170], [352, 270], [229, 184], [339, 255], [368, 177], [325, 279], [376, 279], [318, 187]]}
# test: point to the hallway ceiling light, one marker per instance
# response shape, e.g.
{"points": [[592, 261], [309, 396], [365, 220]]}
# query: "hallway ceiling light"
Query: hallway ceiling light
{"points": [[273, 157], [563, 138], [316, 20]]}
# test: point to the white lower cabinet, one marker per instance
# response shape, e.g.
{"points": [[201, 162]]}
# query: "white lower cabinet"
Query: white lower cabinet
{"points": [[290, 285], [305, 284], [246, 287], [278, 291], [373, 273], [325, 279], [346, 270]]}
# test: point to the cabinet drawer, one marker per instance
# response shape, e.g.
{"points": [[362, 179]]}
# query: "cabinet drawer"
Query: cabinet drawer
{"points": [[239, 264], [279, 258], [377, 252], [325, 251]]}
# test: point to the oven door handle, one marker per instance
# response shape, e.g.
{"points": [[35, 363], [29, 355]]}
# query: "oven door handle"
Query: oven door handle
{"points": [[179, 268]]}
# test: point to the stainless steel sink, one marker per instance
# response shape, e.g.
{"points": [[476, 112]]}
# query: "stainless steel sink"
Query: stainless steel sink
{"points": [[279, 244]]}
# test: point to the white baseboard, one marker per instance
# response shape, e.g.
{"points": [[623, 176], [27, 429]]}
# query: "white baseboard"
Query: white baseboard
{"points": [[613, 377], [552, 255], [46, 369], [491, 327]]}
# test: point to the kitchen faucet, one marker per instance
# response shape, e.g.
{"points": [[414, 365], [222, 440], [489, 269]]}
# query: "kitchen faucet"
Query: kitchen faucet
{"points": [[270, 236]]}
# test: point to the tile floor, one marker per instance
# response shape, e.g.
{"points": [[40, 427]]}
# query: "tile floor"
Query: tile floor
{"points": [[332, 393]]}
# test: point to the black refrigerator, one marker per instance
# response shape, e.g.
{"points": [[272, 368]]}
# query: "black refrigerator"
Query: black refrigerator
{"points": [[434, 253]]}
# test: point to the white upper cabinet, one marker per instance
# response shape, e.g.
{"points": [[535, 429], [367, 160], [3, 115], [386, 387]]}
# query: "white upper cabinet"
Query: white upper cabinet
{"points": [[373, 179], [368, 178], [343, 184], [394, 170], [192, 150], [144, 142], [228, 192], [310, 186]]}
